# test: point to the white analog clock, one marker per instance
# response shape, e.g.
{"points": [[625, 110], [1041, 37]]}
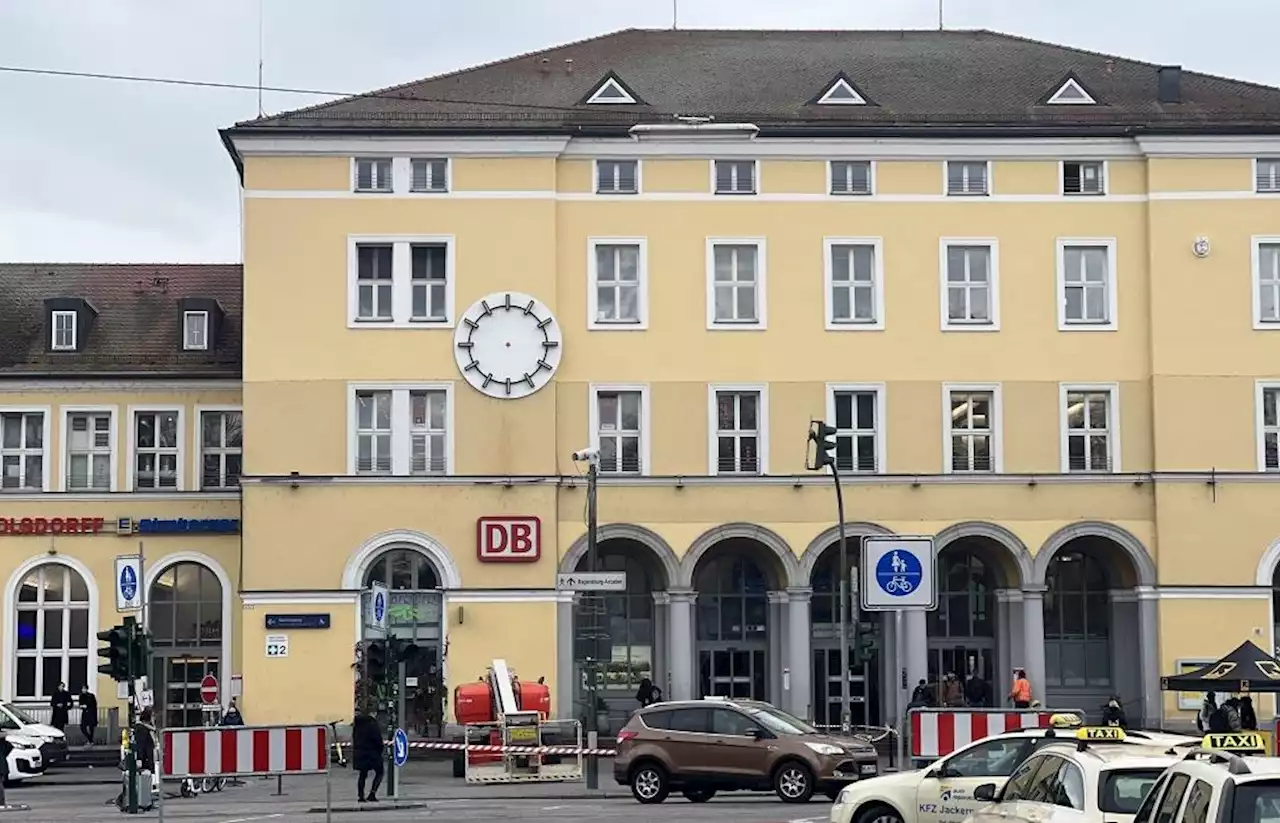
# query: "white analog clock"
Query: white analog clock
{"points": [[507, 345]]}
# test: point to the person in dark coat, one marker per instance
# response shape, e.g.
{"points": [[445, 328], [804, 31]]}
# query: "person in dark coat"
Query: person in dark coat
{"points": [[922, 695], [977, 691], [88, 714], [1113, 713], [233, 716], [366, 755], [1248, 718], [648, 694], [61, 705]]}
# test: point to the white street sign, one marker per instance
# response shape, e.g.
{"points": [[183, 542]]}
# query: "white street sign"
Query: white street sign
{"points": [[899, 573], [277, 645], [379, 602], [128, 583], [592, 582]]}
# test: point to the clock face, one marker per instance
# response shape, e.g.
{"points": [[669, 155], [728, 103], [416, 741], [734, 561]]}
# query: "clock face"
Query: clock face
{"points": [[507, 345]]}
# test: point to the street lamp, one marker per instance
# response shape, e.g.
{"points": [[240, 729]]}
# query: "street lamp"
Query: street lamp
{"points": [[591, 456]]}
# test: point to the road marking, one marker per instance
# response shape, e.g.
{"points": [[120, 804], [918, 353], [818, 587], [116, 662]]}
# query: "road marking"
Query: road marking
{"points": [[248, 819], [553, 808]]}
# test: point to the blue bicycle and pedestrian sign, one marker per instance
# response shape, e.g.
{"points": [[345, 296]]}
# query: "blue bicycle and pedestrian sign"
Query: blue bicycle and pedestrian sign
{"points": [[400, 747], [376, 616], [898, 574], [128, 583]]}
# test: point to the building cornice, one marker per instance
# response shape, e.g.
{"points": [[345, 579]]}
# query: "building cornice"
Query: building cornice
{"points": [[67, 384]]}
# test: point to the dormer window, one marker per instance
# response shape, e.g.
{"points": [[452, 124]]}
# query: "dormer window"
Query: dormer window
{"points": [[64, 331], [195, 330]]}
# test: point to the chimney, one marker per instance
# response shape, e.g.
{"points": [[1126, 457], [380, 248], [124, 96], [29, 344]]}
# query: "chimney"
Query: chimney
{"points": [[545, 66], [568, 65], [1170, 84]]}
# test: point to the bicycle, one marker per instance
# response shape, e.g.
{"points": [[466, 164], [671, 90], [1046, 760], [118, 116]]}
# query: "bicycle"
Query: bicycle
{"points": [[898, 584], [336, 746]]}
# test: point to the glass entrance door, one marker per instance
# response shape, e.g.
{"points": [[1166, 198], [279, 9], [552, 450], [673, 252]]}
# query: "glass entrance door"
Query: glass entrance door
{"points": [[962, 660], [175, 685], [864, 689], [732, 673]]}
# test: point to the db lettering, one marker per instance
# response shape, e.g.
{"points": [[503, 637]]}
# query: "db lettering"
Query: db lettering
{"points": [[509, 539]]}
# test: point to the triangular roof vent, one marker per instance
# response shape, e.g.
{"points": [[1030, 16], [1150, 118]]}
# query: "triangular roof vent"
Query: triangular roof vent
{"points": [[1071, 93], [611, 91], [841, 93]]}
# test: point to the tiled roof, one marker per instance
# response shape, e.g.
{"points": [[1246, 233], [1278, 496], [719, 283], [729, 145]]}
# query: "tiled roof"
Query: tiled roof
{"points": [[137, 328], [917, 81]]}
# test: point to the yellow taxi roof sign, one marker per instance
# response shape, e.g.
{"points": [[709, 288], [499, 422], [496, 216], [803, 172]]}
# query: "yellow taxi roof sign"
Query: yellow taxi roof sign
{"points": [[1065, 720], [1100, 733], [1239, 742]]}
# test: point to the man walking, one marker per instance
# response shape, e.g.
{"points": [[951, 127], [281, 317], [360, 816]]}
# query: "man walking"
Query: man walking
{"points": [[88, 714], [366, 755], [1020, 694]]}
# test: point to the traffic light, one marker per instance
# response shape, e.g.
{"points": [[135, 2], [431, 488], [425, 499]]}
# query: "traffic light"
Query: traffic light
{"points": [[140, 652], [116, 652], [822, 437], [865, 649], [401, 650], [375, 660]]}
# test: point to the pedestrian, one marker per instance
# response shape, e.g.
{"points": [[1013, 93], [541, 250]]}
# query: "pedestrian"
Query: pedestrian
{"points": [[977, 691], [648, 694], [1231, 708], [366, 755], [1207, 707], [61, 705], [5, 748], [232, 716], [88, 714], [1248, 719], [921, 695], [1113, 713], [952, 693], [1020, 694]]}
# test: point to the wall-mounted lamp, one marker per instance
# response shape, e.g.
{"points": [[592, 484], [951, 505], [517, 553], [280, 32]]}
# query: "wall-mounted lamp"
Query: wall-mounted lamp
{"points": [[461, 614], [1200, 248], [293, 484]]}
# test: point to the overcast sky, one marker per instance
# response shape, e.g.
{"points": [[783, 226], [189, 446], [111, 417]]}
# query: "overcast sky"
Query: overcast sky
{"points": [[109, 171]]}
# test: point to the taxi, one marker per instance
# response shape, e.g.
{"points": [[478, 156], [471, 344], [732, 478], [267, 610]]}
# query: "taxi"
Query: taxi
{"points": [[1230, 778], [944, 792], [1088, 782]]}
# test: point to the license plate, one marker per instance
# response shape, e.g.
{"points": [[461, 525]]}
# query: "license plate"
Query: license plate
{"points": [[523, 735], [867, 768]]}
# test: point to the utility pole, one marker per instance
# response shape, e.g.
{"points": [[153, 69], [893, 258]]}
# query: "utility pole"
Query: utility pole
{"points": [[822, 436], [591, 604], [131, 756], [940, 2]]}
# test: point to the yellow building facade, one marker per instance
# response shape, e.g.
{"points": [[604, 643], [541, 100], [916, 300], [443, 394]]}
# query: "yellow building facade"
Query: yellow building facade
{"points": [[1049, 342]]}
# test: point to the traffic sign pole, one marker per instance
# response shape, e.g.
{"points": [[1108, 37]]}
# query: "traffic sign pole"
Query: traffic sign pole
{"points": [[846, 718]]}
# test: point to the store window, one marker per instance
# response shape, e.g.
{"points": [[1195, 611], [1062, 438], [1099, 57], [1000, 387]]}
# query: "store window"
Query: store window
{"points": [[52, 632]]}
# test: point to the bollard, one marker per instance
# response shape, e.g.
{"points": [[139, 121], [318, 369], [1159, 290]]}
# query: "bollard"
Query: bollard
{"points": [[279, 785], [593, 763]]}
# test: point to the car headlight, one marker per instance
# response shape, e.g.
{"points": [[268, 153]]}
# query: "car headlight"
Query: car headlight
{"points": [[22, 744], [825, 748]]}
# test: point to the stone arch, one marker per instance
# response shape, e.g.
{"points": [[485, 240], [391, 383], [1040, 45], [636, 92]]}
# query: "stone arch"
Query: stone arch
{"points": [[661, 549], [1016, 565], [828, 538], [1143, 566], [790, 564], [1267, 564], [228, 594], [10, 641], [359, 561]]}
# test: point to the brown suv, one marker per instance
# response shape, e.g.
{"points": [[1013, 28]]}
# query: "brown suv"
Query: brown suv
{"points": [[700, 747]]}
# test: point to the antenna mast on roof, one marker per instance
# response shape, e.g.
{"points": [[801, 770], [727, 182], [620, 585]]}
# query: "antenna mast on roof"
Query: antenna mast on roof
{"points": [[675, 14], [940, 26], [260, 111]]}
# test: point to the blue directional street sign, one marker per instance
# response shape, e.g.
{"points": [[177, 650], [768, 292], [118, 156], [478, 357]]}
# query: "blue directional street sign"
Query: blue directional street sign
{"points": [[899, 573], [128, 583], [400, 747]]}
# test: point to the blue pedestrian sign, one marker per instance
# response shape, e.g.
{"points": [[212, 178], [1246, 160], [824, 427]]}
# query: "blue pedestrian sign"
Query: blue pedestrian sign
{"points": [[898, 574], [128, 583], [400, 747], [376, 617]]}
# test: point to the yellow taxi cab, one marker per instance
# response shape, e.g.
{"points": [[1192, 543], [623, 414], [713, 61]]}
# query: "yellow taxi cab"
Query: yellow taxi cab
{"points": [[945, 791], [1232, 778], [1090, 781]]}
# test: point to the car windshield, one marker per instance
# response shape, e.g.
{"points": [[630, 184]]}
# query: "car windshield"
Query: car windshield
{"points": [[1123, 790], [1256, 802], [19, 715], [778, 721]]}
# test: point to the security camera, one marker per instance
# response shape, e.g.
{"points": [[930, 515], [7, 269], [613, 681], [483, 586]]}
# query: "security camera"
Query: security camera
{"points": [[585, 455]]}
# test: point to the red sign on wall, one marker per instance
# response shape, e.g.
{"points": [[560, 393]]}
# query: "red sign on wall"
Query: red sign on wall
{"points": [[50, 525], [508, 539]]}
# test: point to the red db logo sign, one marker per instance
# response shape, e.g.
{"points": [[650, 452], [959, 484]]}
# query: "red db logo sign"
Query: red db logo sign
{"points": [[509, 539]]}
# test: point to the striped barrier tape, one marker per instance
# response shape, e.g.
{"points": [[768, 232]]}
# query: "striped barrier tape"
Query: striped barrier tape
{"points": [[487, 749]]}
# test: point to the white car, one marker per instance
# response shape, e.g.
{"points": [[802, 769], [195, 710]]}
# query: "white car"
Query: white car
{"points": [[25, 760], [943, 792], [52, 743], [1231, 779], [1065, 783]]}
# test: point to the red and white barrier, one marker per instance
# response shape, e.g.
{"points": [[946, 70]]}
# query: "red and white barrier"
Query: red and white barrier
{"points": [[245, 751], [939, 732], [488, 749]]}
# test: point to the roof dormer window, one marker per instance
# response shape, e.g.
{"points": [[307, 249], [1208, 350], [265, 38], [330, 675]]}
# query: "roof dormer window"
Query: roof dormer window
{"points": [[63, 331], [195, 330]]}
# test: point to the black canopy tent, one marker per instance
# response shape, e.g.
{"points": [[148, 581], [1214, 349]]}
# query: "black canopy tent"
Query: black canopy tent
{"points": [[1246, 669]]}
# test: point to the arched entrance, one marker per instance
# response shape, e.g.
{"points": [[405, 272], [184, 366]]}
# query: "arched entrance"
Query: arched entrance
{"points": [[733, 625], [624, 631], [865, 653], [185, 615]]}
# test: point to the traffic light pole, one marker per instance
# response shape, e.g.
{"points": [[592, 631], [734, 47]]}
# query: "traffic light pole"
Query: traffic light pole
{"points": [[845, 712], [593, 715], [131, 756]]}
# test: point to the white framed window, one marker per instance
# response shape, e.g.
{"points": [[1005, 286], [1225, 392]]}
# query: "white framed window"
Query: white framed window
{"points": [[734, 176], [857, 412], [1090, 427], [619, 419], [739, 429], [221, 447], [1087, 284], [1266, 282], [195, 330], [64, 331], [1083, 177], [970, 277], [1268, 425], [401, 281], [618, 283], [736, 296], [429, 175], [400, 429], [372, 174], [155, 448], [89, 448], [1266, 175], [854, 274], [967, 177], [54, 626], [971, 428], [851, 177], [617, 177], [24, 449]]}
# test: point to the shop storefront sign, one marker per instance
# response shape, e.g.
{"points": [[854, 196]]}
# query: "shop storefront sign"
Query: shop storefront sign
{"points": [[508, 539], [17, 526], [179, 525]]}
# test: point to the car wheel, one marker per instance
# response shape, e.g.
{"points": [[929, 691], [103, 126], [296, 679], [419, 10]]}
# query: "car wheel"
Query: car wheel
{"points": [[699, 795], [879, 814], [649, 784], [793, 782]]}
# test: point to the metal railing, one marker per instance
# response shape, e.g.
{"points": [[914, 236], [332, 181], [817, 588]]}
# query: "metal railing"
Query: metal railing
{"points": [[106, 733]]}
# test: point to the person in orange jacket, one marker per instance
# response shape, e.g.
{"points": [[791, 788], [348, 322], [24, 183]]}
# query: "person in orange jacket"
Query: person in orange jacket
{"points": [[1020, 694]]}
